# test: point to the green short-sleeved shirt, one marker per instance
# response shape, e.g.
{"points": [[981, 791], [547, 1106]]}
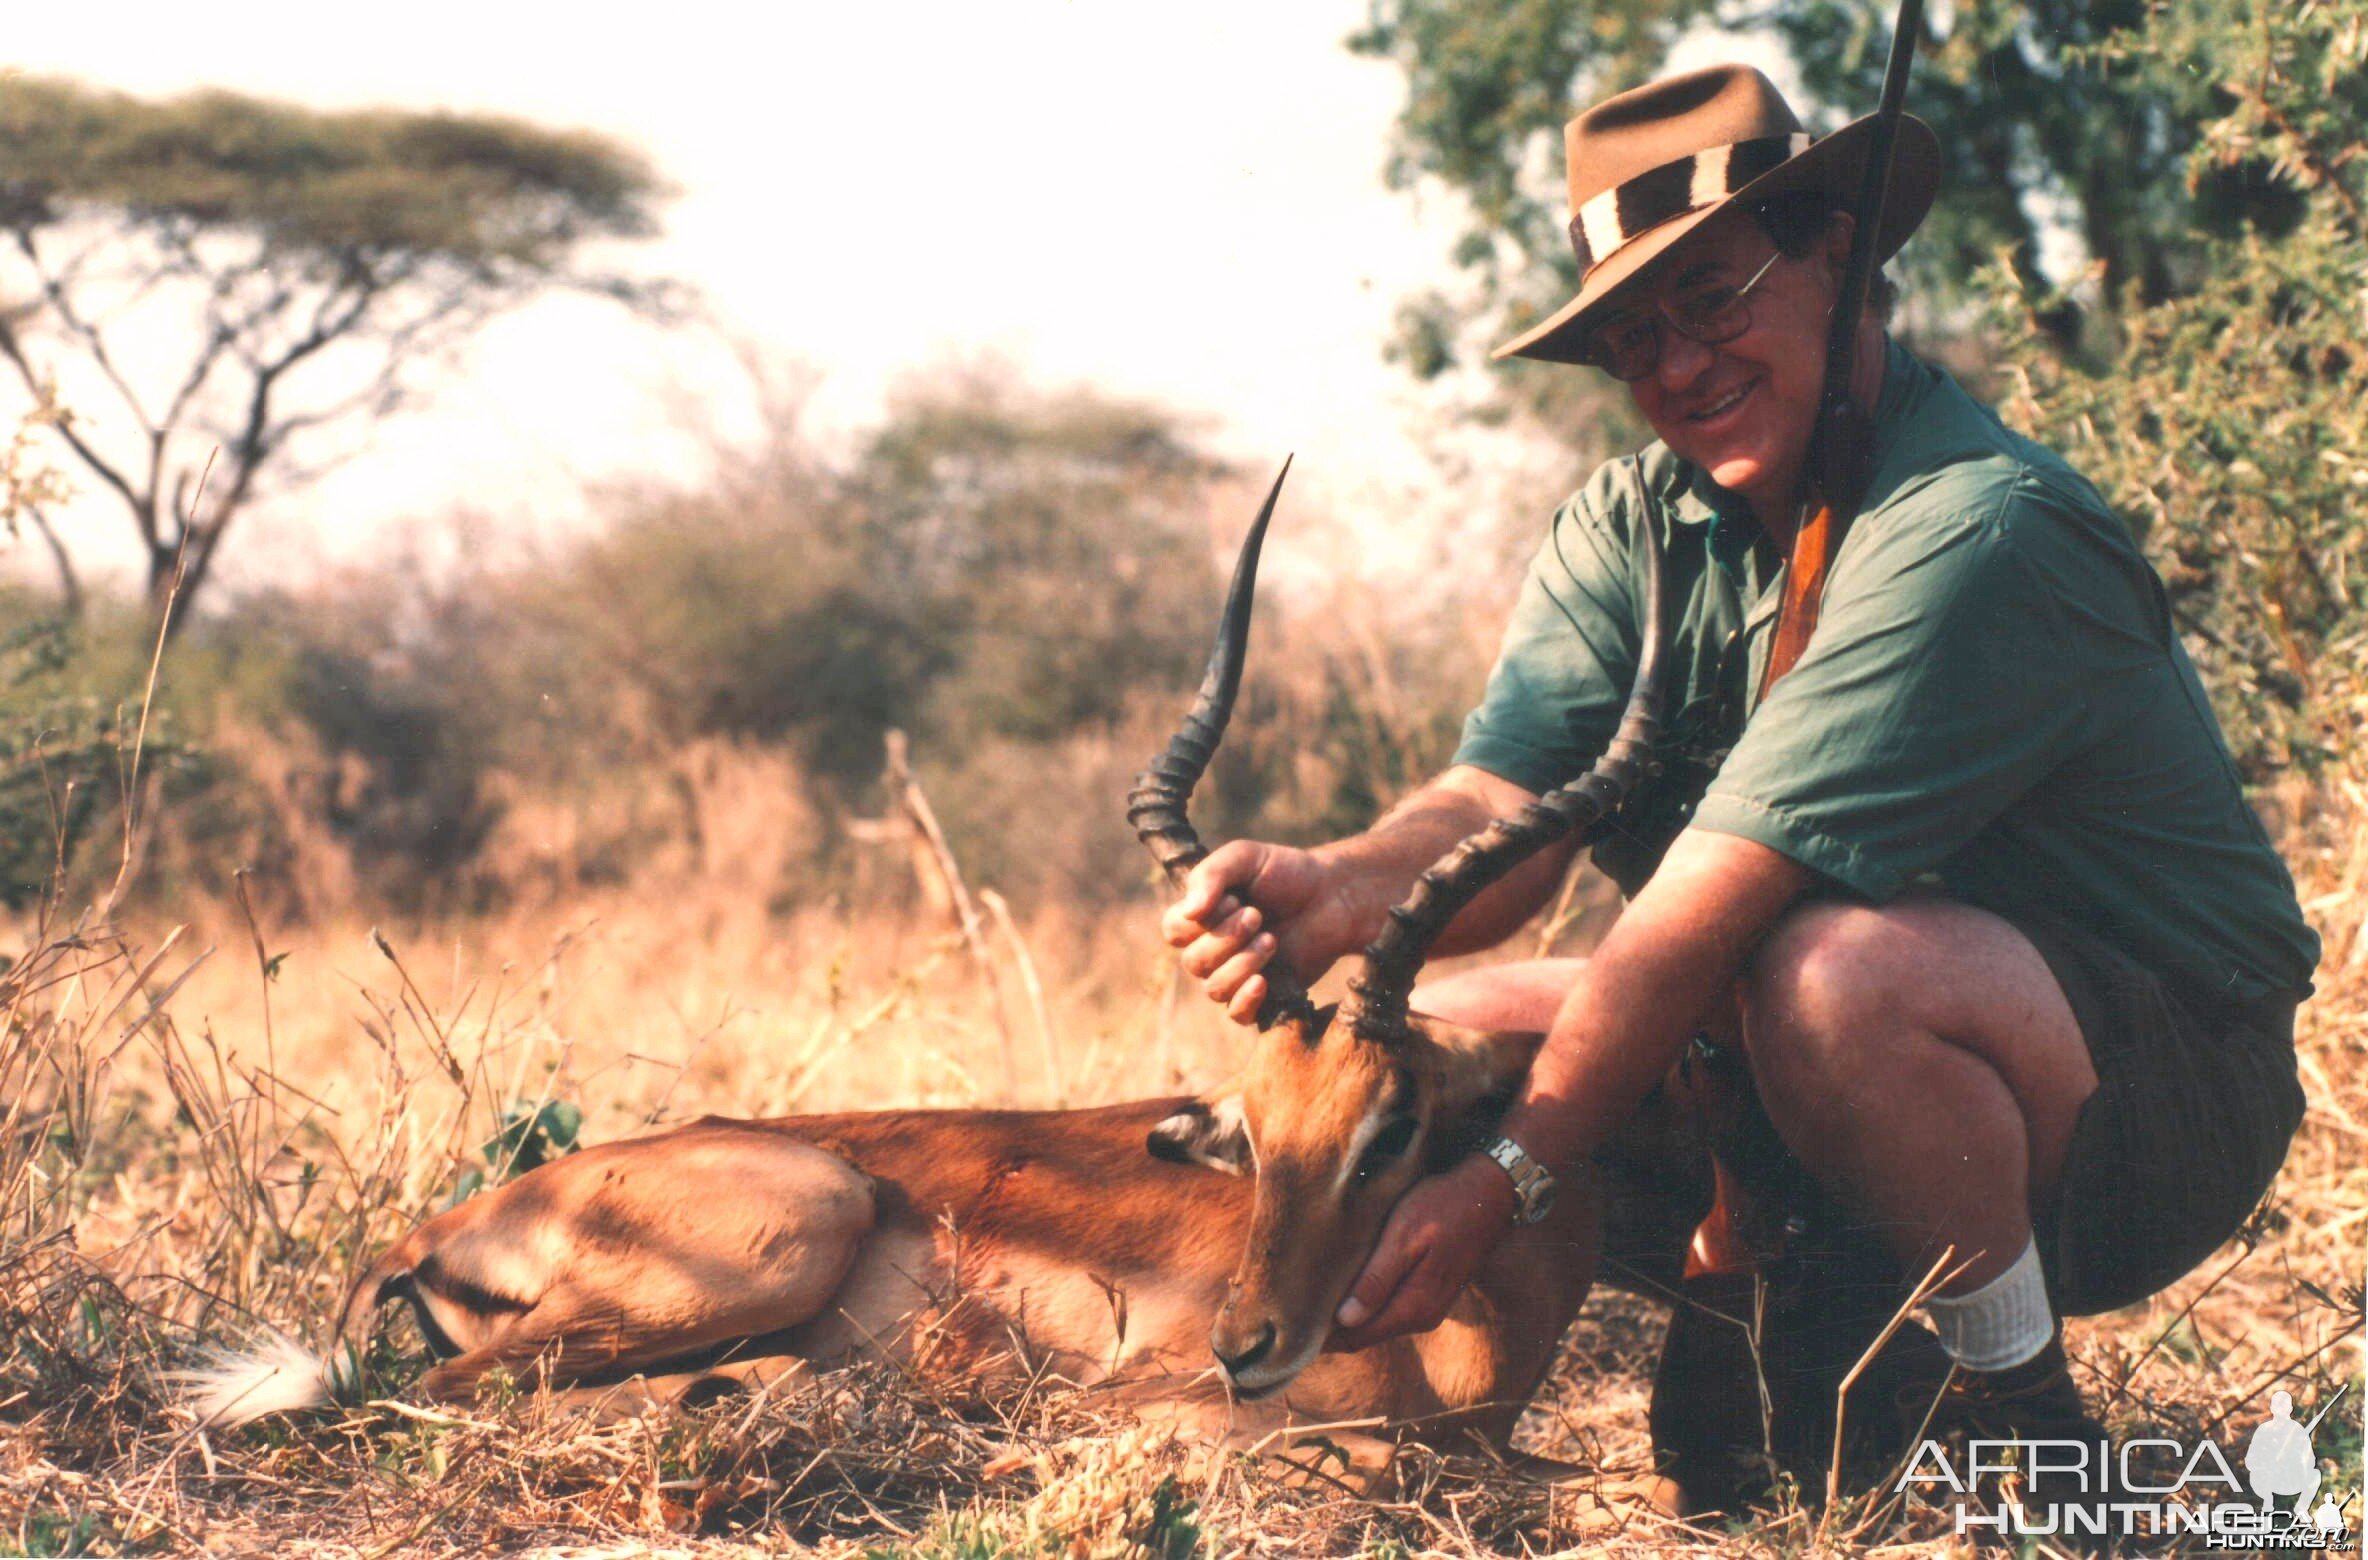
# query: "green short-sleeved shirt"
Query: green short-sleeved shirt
{"points": [[1994, 698]]}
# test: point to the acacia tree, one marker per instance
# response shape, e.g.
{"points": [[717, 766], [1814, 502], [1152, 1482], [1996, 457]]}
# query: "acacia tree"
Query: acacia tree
{"points": [[220, 273]]}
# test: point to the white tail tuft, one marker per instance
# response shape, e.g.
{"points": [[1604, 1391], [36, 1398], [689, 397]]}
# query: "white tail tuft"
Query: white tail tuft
{"points": [[275, 1376]]}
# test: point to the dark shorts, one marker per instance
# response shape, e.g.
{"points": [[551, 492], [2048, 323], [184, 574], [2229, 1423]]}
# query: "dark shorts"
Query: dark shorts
{"points": [[2196, 1101]]}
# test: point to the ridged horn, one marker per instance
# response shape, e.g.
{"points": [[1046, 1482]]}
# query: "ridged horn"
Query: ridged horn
{"points": [[1395, 958], [1155, 805]]}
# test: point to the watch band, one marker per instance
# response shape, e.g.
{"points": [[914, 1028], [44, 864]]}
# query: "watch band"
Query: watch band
{"points": [[1533, 1183]]}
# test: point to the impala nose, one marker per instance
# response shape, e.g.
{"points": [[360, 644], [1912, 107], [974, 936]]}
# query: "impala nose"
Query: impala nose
{"points": [[1260, 1347]]}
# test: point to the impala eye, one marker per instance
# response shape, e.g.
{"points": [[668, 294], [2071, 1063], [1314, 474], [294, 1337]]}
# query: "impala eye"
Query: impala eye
{"points": [[1388, 1146]]}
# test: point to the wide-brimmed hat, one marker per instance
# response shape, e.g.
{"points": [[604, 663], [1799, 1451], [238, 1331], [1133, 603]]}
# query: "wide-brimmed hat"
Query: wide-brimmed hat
{"points": [[1652, 165]]}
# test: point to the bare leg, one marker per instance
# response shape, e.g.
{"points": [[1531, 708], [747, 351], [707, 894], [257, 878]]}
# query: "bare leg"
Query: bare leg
{"points": [[1521, 997], [1922, 1062]]}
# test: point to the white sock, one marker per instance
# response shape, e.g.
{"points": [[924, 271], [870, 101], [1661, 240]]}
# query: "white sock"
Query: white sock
{"points": [[2003, 1323]]}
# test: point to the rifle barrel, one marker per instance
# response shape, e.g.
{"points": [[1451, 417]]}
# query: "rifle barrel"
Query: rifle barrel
{"points": [[1840, 450], [2326, 1408]]}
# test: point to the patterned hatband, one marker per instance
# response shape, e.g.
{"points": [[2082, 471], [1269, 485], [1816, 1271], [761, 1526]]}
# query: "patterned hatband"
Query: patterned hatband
{"points": [[1628, 210]]}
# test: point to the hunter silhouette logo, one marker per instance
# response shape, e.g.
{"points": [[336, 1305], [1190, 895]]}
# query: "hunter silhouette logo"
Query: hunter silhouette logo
{"points": [[2113, 1492], [2279, 1460]]}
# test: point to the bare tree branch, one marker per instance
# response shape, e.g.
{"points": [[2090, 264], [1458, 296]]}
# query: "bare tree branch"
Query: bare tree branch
{"points": [[69, 583], [255, 225], [93, 342], [218, 340], [12, 348]]}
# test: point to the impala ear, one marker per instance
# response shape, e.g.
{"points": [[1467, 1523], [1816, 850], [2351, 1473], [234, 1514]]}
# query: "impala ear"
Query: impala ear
{"points": [[1203, 1133], [1476, 1066]]}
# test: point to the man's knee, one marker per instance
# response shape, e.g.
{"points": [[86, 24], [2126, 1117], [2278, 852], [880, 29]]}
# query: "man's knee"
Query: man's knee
{"points": [[1822, 986], [1518, 997]]}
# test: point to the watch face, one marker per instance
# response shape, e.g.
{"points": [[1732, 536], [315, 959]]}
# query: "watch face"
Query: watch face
{"points": [[1538, 1203]]}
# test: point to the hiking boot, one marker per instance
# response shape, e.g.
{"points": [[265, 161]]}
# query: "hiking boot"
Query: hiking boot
{"points": [[2025, 1450], [2035, 1400]]}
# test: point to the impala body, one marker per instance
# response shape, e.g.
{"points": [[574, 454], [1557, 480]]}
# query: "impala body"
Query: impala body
{"points": [[957, 1243], [1125, 1244], [1088, 1246]]}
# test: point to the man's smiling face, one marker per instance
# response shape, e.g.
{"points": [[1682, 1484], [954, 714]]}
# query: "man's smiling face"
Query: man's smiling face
{"points": [[1744, 410]]}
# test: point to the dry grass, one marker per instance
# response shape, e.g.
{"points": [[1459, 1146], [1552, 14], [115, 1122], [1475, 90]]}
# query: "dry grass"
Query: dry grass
{"points": [[204, 1127]]}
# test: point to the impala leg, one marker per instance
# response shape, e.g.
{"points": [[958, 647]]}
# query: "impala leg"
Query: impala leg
{"points": [[637, 1255], [638, 1395], [1300, 1454], [560, 1338]]}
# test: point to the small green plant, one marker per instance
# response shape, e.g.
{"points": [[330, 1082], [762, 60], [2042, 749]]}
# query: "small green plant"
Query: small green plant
{"points": [[1171, 1531], [1084, 1510], [2182, 1342], [531, 1133], [960, 1537], [57, 1533], [54, 751]]}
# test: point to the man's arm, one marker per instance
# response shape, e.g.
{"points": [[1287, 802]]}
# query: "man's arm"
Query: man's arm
{"points": [[1672, 957], [1316, 906], [1675, 952]]}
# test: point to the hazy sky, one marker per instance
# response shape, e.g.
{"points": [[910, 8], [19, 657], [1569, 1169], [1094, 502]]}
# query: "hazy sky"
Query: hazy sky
{"points": [[1177, 202]]}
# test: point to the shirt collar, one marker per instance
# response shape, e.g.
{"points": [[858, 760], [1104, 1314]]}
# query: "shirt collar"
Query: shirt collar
{"points": [[1899, 411], [1700, 501]]}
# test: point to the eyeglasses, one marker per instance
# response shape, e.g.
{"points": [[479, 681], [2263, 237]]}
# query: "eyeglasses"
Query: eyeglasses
{"points": [[1629, 347]]}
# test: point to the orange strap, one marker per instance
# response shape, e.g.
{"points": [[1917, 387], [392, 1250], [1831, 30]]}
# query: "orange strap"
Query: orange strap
{"points": [[1718, 1246], [1804, 591]]}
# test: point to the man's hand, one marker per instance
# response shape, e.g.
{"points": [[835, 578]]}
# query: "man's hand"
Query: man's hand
{"points": [[1242, 907], [1313, 907], [1437, 1237]]}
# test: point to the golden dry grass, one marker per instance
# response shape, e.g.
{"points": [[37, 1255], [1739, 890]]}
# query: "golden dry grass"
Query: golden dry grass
{"points": [[208, 1122]]}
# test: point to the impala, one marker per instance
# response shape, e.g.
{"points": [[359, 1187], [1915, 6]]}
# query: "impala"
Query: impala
{"points": [[1120, 1244]]}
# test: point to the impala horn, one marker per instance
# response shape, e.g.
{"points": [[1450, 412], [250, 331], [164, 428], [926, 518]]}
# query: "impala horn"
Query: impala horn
{"points": [[1155, 806], [1393, 959]]}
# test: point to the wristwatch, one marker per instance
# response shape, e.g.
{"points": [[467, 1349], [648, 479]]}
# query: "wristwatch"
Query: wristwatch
{"points": [[1533, 1183]]}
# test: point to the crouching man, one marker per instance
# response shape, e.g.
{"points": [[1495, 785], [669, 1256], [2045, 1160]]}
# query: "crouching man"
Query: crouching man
{"points": [[1968, 884]]}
